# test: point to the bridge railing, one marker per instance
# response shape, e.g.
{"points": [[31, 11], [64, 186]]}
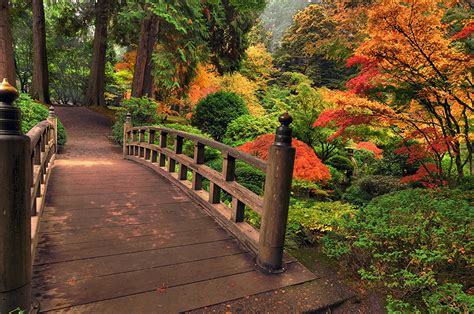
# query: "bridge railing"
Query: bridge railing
{"points": [[149, 146], [25, 166]]}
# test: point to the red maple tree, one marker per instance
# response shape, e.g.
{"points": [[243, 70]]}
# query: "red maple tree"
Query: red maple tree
{"points": [[308, 166]]}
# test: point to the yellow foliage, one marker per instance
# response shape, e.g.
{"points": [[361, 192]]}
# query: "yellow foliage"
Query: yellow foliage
{"points": [[245, 88], [205, 82], [258, 65]]}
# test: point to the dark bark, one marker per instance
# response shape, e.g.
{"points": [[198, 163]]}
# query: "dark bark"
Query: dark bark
{"points": [[7, 58], [40, 80], [142, 78], [96, 85]]}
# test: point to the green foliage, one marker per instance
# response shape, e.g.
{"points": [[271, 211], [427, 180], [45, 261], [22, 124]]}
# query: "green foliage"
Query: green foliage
{"points": [[33, 113], [366, 188], [308, 220], [143, 111], [247, 127], [411, 242], [341, 163], [213, 113], [210, 154], [250, 177]]}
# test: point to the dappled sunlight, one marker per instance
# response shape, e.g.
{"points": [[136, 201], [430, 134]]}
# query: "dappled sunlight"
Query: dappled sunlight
{"points": [[85, 163]]}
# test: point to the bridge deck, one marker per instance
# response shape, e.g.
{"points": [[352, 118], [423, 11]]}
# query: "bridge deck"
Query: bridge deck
{"points": [[115, 237]]}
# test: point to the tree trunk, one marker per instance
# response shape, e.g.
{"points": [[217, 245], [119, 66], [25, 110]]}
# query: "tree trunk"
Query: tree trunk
{"points": [[96, 86], [7, 58], [142, 79], [40, 80]]}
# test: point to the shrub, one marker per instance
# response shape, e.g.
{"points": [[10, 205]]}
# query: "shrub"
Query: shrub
{"points": [[213, 113], [366, 188], [250, 177], [32, 113], [210, 154], [307, 165], [308, 220], [143, 111], [247, 127], [411, 242], [341, 163]]}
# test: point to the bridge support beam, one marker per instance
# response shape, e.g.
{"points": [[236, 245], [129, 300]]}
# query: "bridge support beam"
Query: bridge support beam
{"points": [[15, 215], [276, 199]]}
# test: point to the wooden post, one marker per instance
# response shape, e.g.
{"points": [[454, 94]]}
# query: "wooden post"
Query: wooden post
{"points": [[163, 139], [53, 119], [152, 154], [127, 126], [199, 160], [141, 139], [276, 199], [15, 222]]}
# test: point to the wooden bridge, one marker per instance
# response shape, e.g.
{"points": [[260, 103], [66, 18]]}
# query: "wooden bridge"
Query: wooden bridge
{"points": [[132, 230]]}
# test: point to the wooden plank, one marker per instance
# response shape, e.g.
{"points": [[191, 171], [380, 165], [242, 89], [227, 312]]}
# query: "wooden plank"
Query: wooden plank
{"points": [[70, 252], [177, 209], [86, 201], [69, 190], [199, 294], [76, 292], [129, 220], [61, 238], [115, 264]]}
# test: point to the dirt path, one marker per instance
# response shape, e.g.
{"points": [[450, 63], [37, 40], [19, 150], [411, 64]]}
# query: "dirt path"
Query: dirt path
{"points": [[87, 134]]}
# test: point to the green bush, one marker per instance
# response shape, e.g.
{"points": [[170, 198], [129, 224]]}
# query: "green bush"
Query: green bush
{"points": [[247, 127], [308, 220], [366, 188], [210, 154], [411, 242], [341, 163], [143, 111], [32, 113], [213, 114]]}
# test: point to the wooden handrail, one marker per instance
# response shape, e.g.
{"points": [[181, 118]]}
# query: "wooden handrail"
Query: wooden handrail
{"points": [[42, 153], [224, 149], [267, 243]]}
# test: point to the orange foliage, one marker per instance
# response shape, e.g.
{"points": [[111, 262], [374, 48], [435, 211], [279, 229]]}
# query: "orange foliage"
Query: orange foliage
{"points": [[370, 147], [308, 166], [204, 83], [129, 59]]}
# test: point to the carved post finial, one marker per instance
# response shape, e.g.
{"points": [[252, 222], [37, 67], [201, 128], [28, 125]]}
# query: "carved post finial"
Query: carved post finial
{"points": [[129, 117], [284, 132], [9, 115], [52, 113]]}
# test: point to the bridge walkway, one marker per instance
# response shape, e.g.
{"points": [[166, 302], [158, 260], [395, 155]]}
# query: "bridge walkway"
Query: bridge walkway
{"points": [[117, 238]]}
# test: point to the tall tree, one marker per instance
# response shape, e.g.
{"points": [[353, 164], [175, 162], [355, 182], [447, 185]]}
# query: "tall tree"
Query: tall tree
{"points": [[142, 78], [96, 85], [7, 60], [40, 81]]}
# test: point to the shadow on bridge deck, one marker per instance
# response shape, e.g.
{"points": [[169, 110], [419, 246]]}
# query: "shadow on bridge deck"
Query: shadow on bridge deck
{"points": [[115, 237]]}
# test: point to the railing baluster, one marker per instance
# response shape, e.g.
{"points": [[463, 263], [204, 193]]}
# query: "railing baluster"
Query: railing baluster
{"points": [[151, 141], [199, 160], [163, 144], [228, 167], [238, 210], [178, 149], [214, 193], [141, 139], [134, 139]]}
